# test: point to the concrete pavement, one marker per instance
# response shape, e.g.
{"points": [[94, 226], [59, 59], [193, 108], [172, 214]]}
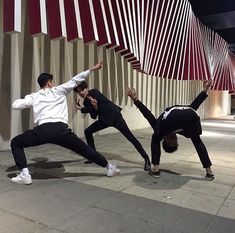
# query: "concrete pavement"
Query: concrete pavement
{"points": [[71, 197]]}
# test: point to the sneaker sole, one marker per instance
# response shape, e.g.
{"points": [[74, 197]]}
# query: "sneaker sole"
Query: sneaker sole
{"points": [[155, 176], [116, 173], [27, 183], [13, 182], [210, 179]]}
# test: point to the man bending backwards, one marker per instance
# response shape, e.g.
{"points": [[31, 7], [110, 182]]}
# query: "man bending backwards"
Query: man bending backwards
{"points": [[176, 119]]}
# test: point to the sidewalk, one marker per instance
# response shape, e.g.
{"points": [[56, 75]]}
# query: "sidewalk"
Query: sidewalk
{"points": [[71, 197]]}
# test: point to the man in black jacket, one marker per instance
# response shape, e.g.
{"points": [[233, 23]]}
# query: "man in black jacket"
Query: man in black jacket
{"points": [[109, 114], [176, 119]]}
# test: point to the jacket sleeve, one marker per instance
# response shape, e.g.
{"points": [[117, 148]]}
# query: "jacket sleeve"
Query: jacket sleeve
{"points": [[84, 110], [88, 108], [146, 113], [198, 100]]}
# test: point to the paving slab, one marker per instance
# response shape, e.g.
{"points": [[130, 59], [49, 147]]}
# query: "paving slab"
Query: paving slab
{"points": [[68, 196]]}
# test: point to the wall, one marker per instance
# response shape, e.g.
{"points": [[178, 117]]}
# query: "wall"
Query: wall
{"points": [[23, 58]]}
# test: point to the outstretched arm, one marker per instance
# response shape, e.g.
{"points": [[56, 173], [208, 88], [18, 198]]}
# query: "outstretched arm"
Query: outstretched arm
{"points": [[26, 102], [67, 87], [202, 96], [143, 109]]}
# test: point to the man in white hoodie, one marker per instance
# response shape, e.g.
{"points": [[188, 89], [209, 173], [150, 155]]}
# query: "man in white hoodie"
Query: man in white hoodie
{"points": [[51, 117]]}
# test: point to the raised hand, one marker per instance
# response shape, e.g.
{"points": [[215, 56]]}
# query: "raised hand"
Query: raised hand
{"points": [[97, 66], [131, 93], [93, 101], [207, 84]]}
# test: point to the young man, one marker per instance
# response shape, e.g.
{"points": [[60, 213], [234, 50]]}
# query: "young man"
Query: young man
{"points": [[176, 119], [109, 114], [51, 117]]}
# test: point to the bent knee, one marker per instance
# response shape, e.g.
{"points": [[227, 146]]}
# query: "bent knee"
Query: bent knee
{"points": [[87, 131], [13, 142]]}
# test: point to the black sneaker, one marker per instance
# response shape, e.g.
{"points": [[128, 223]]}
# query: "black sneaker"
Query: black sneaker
{"points": [[210, 177], [147, 164], [154, 173]]}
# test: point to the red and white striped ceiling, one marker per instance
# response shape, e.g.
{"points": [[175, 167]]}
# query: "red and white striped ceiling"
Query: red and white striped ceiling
{"points": [[162, 38]]}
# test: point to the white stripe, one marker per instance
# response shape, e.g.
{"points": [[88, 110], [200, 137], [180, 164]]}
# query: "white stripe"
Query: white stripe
{"points": [[182, 59], [150, 36], [142, 36], [121, 24], [144, 30], [113, 23], [179, 36], [170, 33], [17, 15], [131, 27], [105, 21], [135, 30], [127, 26], [139, 34], [93, 20], [78, 19], [43, 16], [158, 41], [62, 18]]}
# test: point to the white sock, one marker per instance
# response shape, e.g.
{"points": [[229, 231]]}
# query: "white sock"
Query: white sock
{"points": [[109, 165], [25, 171]]}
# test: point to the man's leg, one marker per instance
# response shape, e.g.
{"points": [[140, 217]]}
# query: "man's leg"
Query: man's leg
{"points": [[121, 125], [71, 141], [203, 155], [27, 139], [95, 127]]}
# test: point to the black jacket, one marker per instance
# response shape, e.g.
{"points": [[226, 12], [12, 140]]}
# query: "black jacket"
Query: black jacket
{"points": [[185, 120], [106, 111]]}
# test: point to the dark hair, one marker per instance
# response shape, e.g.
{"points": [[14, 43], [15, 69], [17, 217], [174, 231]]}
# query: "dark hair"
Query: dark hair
{"points": [[167, 148], [43, 78], [80, 87]]}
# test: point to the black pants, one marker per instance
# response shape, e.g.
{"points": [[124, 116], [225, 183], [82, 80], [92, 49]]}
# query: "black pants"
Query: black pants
{"points": [[201, 151], [120, 125], [56, 133]]}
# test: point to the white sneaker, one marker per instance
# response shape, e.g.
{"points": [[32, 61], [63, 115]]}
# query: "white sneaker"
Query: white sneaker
{"points": [[114, 171], [22, 179]]}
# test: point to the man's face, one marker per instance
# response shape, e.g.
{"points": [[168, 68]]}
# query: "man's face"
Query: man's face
{"points": [[83, 93], [171, 139]]}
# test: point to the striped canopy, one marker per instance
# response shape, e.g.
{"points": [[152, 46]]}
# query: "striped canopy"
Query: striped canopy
{"points": [[161, 38]]}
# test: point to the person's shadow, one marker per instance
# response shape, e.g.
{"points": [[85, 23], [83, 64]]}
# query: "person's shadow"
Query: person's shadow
{"points": [[42, 169], [168, 180]]}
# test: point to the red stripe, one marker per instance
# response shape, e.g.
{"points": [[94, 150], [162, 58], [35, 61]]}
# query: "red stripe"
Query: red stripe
{"points": [[8, 15], [121, 46], [86, 21], [34, 17], [125, 30], [103, 39], [70, 18], [110, 25], [54, 20]]}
